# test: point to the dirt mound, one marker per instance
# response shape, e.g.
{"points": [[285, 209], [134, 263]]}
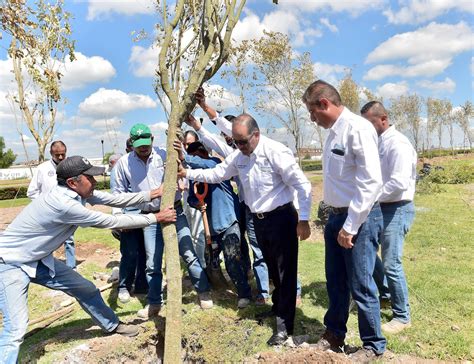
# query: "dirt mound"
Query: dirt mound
{"points": [[302, 355]]}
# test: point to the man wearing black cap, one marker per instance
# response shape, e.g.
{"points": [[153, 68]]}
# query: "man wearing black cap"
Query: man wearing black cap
{"points": [[28, 243]]}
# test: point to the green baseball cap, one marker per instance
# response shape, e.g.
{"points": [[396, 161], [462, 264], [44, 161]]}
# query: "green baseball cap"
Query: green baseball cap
{"points": [[140, 134]]}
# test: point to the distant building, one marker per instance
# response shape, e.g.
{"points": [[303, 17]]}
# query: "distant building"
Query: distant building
{"points": [[310, 153]]}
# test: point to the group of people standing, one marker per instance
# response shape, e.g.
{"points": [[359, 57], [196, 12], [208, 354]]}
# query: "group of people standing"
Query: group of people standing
{"points": [[369, 172]]}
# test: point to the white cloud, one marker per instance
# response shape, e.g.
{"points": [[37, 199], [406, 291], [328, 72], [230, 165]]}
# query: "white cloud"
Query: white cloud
{"points": [[448, 85], [103, 8], [435, 41], [352, 7], [424, 69], [331, 73], [85, 70], [159, 127], [390, 90], [144, 61], [105, 103], [286, 22], [428, 51], [327, 23], [419, 11], [108, 124], [472, 66]]}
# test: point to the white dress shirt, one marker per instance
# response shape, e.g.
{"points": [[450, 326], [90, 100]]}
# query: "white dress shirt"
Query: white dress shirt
{"points": [[132, 174], [44, 224], [398, 163], [44, 179], [351, 168], [269, 177]]}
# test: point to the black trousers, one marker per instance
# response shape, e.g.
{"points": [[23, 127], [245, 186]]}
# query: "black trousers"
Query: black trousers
{"points": [[276, 235]]}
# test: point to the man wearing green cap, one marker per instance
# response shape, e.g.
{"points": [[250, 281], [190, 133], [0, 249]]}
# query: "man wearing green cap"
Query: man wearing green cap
{"points": [[140, 170]]}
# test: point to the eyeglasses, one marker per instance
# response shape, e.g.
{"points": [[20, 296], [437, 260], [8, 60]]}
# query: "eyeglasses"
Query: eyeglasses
{"points": [[243, 142], [141, 136]]}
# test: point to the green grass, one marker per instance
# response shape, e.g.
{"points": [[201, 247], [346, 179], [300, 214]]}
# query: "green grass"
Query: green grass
{"points": [[15, 202], [438, 260]]}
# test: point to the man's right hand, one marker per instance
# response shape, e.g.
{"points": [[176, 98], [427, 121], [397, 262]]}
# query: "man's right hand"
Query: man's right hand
{"points": [[166, 215], [181, 170], [200, 98], [193, 122]]}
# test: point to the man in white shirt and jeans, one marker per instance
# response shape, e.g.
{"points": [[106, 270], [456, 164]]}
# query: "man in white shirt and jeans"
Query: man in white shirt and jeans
{"points": [[269, 176], [398, 163], [28, 243], [352, 181], [43, 181]]}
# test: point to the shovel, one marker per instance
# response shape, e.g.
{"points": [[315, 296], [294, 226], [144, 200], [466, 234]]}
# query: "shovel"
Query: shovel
{"points": [[213, 267]]}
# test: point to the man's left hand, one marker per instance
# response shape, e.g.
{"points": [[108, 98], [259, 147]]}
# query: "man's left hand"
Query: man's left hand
{"points": [[303, 230], [181, 170], [345, 239], [157, 192]]}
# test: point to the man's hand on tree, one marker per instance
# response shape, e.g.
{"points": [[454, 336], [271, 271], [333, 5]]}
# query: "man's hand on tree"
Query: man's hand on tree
{"points": [[157, 192], [193, 122], [181, 170], [201, 101], [166, 215], [178, 146]]}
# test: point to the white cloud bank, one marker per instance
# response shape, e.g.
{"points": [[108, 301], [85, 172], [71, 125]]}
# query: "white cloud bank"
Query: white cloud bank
{"points": [[393, 90], [99, 9]]}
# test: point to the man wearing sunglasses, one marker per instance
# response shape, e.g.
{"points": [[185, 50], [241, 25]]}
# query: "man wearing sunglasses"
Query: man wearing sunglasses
{"points": [[141, 170], [269, 176]]}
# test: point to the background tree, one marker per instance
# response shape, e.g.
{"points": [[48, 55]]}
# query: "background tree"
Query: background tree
{"points": [[40, 42], [349, 92], [194, 40], [281, 79], [6, 157], [463, 116], [405, 112]]}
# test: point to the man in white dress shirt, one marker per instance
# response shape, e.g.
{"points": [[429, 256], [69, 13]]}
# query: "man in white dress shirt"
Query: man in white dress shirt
{"points": [[269, 175], [352, 181], [398, 163], [43, 181]]}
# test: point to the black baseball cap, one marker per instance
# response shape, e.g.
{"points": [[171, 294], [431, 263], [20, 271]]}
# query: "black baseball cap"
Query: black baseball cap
{"points": [[75, 166]]}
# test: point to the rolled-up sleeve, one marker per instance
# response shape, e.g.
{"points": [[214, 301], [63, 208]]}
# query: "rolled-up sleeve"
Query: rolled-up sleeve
{"points": [[222, 172]]}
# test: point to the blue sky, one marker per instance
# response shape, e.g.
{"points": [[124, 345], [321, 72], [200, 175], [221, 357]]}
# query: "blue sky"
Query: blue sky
{"points": [[392, 47]]}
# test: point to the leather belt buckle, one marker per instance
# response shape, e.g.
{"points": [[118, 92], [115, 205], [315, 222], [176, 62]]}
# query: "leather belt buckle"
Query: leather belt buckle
{"points": [[260, 215]]}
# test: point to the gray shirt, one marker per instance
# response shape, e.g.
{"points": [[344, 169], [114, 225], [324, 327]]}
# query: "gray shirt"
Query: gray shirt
{"points": [[44, 225]]}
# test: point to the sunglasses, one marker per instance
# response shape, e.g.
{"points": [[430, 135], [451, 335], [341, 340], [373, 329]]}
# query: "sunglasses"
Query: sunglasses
{"points": [[141, 136], [243, 142]]}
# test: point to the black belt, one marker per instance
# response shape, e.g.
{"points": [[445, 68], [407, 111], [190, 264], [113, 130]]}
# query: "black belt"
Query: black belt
{"points": [[395, 203], [176, 205], [338, 210], [263, 215]]}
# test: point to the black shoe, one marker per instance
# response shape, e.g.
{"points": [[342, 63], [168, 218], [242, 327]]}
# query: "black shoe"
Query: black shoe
{"points": [[264, 315], [329, 341], [126, 330], [278, 339]]}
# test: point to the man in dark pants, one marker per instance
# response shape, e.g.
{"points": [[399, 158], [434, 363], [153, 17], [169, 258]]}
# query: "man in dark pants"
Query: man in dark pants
{"points": [[352, 182], [269, 175]]}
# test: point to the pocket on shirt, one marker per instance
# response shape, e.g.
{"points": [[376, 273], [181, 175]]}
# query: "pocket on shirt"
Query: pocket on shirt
{"points": [[336, 165]]}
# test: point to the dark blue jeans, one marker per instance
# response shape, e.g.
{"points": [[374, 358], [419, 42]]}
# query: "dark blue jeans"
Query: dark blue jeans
{"points": [[133, 261], [229, 243], [349, 271]]}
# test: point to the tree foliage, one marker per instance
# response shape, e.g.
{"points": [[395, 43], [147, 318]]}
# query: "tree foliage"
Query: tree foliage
{"points": [[40, 42], [6, 157], [349, 92], [462, 117], [405, 112], [193, 38]]}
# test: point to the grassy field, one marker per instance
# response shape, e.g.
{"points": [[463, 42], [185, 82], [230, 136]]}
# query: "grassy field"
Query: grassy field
{"points": [[438, 264]]}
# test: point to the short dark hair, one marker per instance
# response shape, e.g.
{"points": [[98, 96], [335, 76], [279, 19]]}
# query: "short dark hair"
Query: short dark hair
{"points": [[230, 117], [192, 132], [57, 142], [321, 89], [196, 147], [376, 106]]}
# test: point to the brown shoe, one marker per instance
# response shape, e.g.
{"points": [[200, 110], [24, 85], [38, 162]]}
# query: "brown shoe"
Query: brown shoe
{"points": [[364, 355], [126, 330], [329, 341]]}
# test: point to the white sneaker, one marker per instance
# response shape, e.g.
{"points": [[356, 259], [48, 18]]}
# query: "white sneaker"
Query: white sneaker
{"points": [[205, 300], [394, 326], [124, 296], [243, 303], [149, 311]]}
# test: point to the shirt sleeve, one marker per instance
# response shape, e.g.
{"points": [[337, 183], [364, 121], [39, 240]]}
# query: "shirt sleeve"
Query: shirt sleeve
{"points": [[400, 165], [197, 162], [119, 200], [224, 125], [120, 182], [368, 178], [81, 216], [222, 172], [34, 188], [215, 143], [293, 176]]}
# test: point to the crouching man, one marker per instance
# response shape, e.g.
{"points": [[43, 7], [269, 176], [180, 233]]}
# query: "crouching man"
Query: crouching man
{"points": [[28, 243]]}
